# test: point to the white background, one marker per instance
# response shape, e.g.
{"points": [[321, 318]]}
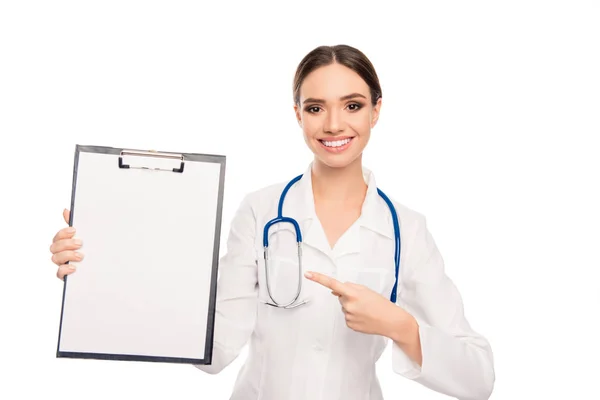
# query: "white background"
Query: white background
{"points": [[489, 126]]}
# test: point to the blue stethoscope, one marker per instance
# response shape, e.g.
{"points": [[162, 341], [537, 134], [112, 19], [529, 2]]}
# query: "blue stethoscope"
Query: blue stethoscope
{"points": [[280, 218]]}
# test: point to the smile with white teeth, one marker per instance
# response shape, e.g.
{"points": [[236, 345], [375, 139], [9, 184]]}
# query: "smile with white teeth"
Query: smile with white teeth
{"points": [[336, 143]]}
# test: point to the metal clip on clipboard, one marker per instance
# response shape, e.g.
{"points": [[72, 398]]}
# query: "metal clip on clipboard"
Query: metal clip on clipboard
{"points": [[151, 153]]}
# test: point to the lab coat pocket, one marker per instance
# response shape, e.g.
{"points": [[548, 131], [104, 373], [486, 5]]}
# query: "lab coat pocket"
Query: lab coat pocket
{"points": [[282, 276]]}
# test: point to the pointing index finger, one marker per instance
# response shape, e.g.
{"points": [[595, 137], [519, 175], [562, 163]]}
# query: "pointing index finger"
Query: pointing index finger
{"points": [[327, 281]]}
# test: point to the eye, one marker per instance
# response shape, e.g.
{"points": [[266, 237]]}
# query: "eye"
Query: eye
{"points": [[313, 109], [355, 106]]}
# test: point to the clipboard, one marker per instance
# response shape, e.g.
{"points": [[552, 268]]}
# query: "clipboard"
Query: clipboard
{"points": [[150, 223]]}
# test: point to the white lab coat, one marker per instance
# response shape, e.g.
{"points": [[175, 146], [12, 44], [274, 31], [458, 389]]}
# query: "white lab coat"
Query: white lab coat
{"points": [[308, 353]]}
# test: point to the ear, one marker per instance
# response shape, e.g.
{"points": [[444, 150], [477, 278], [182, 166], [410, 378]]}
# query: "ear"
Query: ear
{"points": [[298, 115], [375, 113]]}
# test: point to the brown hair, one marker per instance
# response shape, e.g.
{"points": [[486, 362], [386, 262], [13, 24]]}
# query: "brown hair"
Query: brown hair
{"points": [[342, 54]]}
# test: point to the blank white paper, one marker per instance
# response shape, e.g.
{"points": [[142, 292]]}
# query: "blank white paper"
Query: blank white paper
{"points": [[143, 287]]}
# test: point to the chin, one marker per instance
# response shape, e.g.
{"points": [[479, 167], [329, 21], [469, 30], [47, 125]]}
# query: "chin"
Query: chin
{"points": [[337, 161]]}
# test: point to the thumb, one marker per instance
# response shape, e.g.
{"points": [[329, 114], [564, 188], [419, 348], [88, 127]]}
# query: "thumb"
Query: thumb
{"points": [[66, 215]]}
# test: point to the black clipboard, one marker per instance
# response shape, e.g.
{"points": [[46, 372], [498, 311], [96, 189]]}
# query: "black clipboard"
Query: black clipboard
{"points": [[109, 304]]}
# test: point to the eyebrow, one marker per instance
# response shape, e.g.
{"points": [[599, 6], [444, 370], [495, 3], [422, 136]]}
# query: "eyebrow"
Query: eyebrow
{"points": [[346, 97]]}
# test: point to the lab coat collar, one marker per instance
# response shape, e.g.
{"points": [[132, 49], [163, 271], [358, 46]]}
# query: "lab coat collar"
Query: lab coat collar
{"points": [[375, 214]]}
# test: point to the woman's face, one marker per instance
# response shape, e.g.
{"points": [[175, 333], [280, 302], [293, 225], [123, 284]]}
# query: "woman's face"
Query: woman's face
{"points": [[336, 114]]}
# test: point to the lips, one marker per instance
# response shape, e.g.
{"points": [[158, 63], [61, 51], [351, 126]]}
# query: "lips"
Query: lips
{"points": [[337, 144]]}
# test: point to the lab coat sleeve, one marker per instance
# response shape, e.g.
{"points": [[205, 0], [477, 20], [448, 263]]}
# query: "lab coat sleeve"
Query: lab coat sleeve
{"points": [[237, 291], [456, 360]]}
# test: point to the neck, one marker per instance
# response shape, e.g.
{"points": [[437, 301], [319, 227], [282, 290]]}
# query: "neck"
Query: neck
{"points": [[338, 185]]}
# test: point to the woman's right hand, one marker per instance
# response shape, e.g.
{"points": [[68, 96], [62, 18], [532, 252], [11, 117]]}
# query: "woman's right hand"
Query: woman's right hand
{"points": [[63, 249]]}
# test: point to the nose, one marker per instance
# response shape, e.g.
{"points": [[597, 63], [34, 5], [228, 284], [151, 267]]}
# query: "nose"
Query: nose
{"points": [[333, 122]]}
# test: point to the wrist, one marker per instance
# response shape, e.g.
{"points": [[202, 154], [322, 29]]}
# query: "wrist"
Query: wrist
{"points": [[401, 326]]}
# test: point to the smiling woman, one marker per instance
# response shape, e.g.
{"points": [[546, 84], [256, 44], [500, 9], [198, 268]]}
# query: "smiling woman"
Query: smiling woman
{"points": [[337, 99], [348, 234]]}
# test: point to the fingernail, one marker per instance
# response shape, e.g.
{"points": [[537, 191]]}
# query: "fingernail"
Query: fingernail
{"points": [[71, 266], [308, 275], [70, 230], [79, 256], [77, 242]]}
